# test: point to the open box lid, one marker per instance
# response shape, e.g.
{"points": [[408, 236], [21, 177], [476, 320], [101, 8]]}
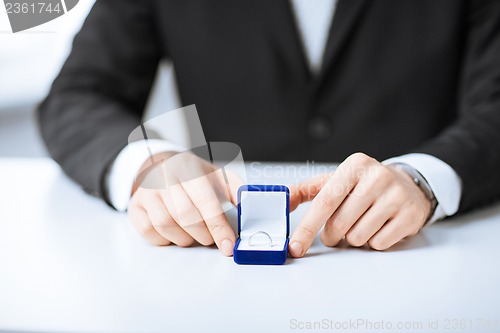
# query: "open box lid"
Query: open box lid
{"points": [[264, 208]]}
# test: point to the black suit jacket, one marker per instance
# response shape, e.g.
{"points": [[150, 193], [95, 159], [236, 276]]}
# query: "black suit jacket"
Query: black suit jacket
{"points": [[398, 76]]}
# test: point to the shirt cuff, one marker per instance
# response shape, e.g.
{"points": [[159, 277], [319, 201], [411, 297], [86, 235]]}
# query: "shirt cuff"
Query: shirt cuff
{"points": [[442, 179], [121, 176]]}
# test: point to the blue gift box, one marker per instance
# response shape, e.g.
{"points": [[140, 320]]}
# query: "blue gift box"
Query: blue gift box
{"points": [[263, 225]]}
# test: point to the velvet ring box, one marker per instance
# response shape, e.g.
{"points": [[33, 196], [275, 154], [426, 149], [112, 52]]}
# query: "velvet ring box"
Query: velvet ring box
{"points": [[263, 225]]}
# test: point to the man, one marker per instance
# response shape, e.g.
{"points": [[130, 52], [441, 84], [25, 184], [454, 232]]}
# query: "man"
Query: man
{"points": [[418, 80]]}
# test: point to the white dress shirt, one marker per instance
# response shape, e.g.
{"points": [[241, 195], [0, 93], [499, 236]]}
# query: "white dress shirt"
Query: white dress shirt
{"points": [[313, 19]]}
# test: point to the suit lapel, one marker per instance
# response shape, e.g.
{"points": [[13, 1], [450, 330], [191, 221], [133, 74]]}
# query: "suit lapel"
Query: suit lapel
{"points": [[288, 45], [347, 15], [286, 39]]}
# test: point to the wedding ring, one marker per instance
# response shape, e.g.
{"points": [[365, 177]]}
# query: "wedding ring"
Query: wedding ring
{"points": [[260, 243]]}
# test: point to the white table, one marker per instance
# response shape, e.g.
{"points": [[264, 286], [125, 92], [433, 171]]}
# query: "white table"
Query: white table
{"points": [[70, 263]]}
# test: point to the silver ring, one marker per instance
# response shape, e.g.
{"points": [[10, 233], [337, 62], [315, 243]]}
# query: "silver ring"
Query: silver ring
{"points": [[270, 240]]}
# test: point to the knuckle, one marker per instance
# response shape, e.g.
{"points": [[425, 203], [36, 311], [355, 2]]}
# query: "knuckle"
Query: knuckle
{"points": [[383, 174], [392, 207], [378, 244], [339, 224], [360, 159], [203, 236], [184, 212], [204, 200], [307, 231], [323, 202], [206, 242], [355, 239], [361, 189], [146, 229], [423, 215], [132, 209], [399, 193], [160, 242], [327, 239], [185, 242], [161, 221], [413, 208], [216, 228], [134, 200], [164, 229], [414, 229], [413, 232]]}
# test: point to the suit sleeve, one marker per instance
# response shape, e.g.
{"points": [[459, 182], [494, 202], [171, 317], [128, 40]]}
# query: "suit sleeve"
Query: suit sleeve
{"points": [[100, 94], [471, 145]]}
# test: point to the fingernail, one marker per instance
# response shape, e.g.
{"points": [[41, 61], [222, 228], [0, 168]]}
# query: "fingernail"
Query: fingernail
{"points": [[296, 249], [227, 247]]}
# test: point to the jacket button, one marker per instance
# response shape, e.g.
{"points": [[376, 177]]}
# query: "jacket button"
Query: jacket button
{"points": [[319, 128]]}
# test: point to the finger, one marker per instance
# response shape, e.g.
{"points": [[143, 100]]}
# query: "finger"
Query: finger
{"points": [[392, 232], [371, 222], [205, 199], [228, 184], [307, 190], [140, 221], [186, 214], [294, 196], [351, 209], [163, 222], [323, 206]]}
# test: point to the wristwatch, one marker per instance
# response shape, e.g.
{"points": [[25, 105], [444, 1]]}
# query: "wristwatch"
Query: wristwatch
{"points": [[422, 183]]}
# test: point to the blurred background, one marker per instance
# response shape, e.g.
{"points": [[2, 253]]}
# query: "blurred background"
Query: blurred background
{"points": [[29, 62]]}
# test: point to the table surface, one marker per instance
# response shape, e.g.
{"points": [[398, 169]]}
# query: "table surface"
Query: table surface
{"points": [[70, 263]]}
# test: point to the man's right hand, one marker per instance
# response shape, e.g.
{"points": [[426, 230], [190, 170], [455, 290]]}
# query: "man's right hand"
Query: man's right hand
{"points": [[187, 207]]}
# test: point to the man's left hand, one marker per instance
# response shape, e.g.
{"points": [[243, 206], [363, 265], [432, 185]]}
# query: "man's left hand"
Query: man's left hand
{"points": [[363, 201]]}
